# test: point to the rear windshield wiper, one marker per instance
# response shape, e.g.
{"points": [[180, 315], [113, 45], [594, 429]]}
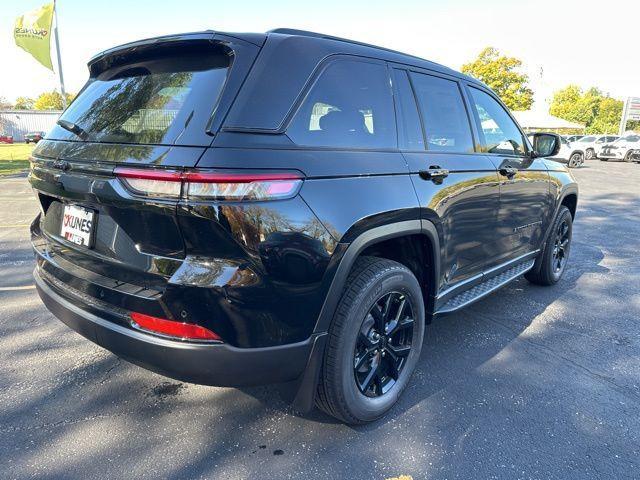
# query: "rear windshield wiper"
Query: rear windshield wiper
{"points": [[74, 128]]}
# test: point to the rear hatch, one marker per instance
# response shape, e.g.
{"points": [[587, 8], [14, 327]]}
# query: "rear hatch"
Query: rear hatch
{"points": [[154, 104]]}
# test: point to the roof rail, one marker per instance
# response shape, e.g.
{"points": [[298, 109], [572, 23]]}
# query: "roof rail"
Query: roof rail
{"points": [[306, 33]]}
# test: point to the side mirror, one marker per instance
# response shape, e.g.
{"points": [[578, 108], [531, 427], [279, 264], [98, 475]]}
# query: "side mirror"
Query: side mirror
{"points": [[545, 144]]}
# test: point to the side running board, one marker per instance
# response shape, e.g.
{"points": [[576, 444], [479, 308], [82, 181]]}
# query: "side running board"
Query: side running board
{"points": [[486, 287]]}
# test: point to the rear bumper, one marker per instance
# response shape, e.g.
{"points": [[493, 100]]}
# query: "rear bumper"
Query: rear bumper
{"points": [[208, 364]]}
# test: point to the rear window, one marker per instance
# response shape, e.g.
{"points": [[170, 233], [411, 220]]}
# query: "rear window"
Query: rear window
{"points": [[445, 118], [349, 106], [150, 101]]}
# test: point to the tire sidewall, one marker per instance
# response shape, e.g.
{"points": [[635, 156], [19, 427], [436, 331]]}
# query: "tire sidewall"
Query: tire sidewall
{"points": [[363, 407], [556, 276]]}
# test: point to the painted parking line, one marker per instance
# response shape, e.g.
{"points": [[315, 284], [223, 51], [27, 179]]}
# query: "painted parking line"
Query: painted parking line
{"points": [[15, 289], [17, 225]]}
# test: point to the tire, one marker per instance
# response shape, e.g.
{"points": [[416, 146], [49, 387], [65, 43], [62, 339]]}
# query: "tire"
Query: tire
{"points": [[353, 331], [575, 160], [589, 154], [627, 156], [548, 269]]}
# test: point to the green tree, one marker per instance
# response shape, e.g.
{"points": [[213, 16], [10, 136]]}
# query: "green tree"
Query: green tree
{"points": [[564, 102], [599, 112], [502, 75], [24, 103], [51, 101], [589, 105], [607, 119]]}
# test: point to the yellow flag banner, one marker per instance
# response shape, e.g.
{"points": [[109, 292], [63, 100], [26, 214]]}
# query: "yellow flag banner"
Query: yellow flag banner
{"points": [[32, 33]]}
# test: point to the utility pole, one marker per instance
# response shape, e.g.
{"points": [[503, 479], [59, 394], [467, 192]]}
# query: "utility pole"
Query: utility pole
{"points": [[623, 120], [55, 33]]}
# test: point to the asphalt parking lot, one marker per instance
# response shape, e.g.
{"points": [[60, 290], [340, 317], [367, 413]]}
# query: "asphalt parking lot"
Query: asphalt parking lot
{"points": [[531, 382]]}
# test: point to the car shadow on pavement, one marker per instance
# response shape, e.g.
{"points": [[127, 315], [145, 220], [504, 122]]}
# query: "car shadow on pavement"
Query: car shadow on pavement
{"points": [[60, 393], [456, 344]]}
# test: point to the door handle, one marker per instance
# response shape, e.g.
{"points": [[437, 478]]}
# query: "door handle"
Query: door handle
{"points": [[508, 172], [436, 174]]}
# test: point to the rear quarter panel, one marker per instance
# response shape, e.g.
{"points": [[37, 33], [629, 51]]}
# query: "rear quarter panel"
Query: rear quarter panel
{"points": [[344, 194]]}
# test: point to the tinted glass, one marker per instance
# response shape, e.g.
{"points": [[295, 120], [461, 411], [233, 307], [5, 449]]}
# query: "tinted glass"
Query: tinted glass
{"points": [[587, 139], [409, 126], [501, 134], [349, 106], [152, 101], [445, 119]]}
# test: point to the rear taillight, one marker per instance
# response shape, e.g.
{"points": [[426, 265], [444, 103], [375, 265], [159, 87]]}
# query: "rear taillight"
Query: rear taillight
{"points": [[202, 185], [152, 182], [242, 186], [170, 328]]}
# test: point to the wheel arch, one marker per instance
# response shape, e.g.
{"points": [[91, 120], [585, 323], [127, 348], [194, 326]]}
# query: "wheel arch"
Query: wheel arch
{"points": [[570, 200], [568, 197], [414, 233], [303, 390]]}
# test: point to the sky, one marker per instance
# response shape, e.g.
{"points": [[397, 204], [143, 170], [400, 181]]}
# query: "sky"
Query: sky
{"points": [[581, 42]]}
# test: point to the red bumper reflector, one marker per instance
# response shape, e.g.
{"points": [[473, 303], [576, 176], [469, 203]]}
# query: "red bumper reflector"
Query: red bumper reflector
{"points": [[187, 331]]}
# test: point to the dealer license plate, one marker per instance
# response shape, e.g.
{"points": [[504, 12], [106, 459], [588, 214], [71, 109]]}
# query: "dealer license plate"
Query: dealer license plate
{"points": [[77, 225]]}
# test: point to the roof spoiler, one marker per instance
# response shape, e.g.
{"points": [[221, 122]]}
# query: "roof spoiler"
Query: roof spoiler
{"points": [[106, 59]]}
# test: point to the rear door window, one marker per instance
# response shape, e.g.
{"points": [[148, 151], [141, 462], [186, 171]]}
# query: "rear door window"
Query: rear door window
{"points": [[501, 134], [350, 105], [150, 101], [445, 119], [409, 125]]}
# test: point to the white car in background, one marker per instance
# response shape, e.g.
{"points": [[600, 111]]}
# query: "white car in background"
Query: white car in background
{"points": [[567, 154], [608, 139], [622, 149], [590, 144]]}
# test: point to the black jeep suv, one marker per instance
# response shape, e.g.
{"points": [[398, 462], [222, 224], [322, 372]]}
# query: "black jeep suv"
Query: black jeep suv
{"points": [[293, 208]]}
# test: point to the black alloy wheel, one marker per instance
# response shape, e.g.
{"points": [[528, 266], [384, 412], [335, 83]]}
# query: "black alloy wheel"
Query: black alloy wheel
{"points": [[560, 248], [374, 341], [383, 344], [552, 261]]}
